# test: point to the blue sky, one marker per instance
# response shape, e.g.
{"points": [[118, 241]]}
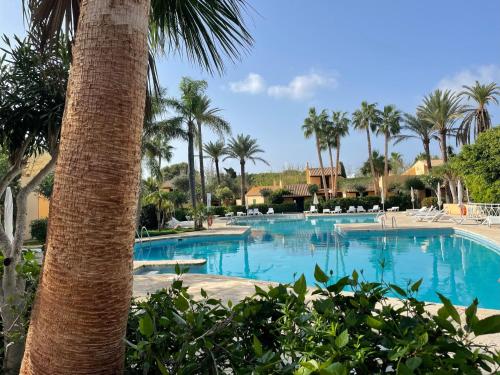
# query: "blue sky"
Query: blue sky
{"points": [[333, 55]]}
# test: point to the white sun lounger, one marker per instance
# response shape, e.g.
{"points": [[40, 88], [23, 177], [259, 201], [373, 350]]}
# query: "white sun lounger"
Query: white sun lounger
{"points": [[326, 211], [433, 215], [240, 213], [492, 220], [312, 210], [270, 211], [361, 209], [375, 208], [393, 209], [337, 210], [256, 212], [351, 210], [174, 223]]}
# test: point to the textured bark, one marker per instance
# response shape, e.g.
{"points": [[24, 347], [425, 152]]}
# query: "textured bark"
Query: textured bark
{"points": [[202, 168], [243, 182], [386, 162], [333, 180], [337, 167], [370, 158], [80, 313], [442, 143], [320, 159], [191, 171], [427, 154]]}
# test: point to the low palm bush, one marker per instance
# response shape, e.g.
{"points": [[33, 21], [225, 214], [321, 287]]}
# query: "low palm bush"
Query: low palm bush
{"points": [[277, 331]]}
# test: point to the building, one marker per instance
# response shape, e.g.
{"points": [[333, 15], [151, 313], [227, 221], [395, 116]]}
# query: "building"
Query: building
{"points": [[420, 167], [37, 204]]}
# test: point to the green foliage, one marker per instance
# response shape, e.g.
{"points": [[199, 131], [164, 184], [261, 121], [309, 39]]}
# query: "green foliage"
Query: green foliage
{"points": [[278, 331], [178, 198], [181, 182], [217, 210], [38, 229], [313, 189], [174, 170], [162, 232], [277, 196], [46, 186], [278, 208], [224, 194], [344, 203], [429, 202], [148, 217], [415, 183], [287, 177], [342, 170], [479, 166]]}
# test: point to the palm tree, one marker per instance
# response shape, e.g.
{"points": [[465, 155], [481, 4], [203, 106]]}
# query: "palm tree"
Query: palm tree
{"points": [[215, 150], [441, 109], [243, 148], [97, 174], [155, 150], [389, 126], [188, 108], [396, 162], [340, 127], [208, 116], [418, 128], [378, 161], [365, 119], [315, 124], [477, 119]]}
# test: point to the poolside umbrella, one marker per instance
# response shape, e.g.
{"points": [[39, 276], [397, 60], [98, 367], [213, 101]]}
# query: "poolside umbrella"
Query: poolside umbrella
{"points": [[438, 192], [8, 216], [382, 198], [460, 195], [467, 193], [315, 200], [412, 195]]}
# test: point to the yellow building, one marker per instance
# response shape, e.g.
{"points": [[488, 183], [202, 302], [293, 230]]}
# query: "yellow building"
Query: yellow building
{"points": [[37, 205], [420, 167], [313, 177]]}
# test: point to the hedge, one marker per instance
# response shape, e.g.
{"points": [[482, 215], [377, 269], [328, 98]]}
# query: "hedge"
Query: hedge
{"points": [[430, 201], [278, 208], [38, 229]]}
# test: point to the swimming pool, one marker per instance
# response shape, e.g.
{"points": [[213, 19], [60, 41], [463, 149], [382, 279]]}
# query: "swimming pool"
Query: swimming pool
{"points": [[454, 264]]}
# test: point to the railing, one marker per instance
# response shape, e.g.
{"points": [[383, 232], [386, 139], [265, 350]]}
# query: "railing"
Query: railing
{"points": [[482, 210], [140, 236], [393, 222]]}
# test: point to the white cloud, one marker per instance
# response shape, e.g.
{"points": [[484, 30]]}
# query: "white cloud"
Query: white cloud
{"points": [[483, 74], [252, 84], [303, 86]]}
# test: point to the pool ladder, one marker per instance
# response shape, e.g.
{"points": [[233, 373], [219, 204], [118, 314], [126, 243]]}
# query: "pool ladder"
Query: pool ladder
{"points": [[140, 236], [382, 218]]}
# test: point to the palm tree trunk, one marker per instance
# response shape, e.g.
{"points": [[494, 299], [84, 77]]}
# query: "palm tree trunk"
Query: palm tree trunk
{"points": [[370, 158], [216, 161], [202, 169], [386, 162], [332, 176], [337, 167], [80, 314], [320, 159], [442, 142], [191, 171], [427, 154], [243, 182]]}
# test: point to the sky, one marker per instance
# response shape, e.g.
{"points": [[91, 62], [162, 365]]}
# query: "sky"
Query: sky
{"points": [[333, 55]]}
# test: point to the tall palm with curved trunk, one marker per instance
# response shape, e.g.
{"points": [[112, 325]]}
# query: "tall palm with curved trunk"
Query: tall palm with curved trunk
{"points": [[367, 118], [187, 108], [477, 118], [314, 125], [208, 116], [97, 174], [389, 126], [215, 151], [339, 128], [441, 109], [244, 148], [416, 127]]}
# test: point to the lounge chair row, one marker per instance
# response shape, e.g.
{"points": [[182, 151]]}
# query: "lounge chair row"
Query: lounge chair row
{"points": [[351, 209], [251, 212], [431, 214]]}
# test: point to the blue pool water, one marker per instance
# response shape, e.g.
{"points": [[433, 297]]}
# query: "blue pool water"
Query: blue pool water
{"points": [[457, 266]]}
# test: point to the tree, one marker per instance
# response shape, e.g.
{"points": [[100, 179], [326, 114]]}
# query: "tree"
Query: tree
{"points": [[97, 174], [389, 126], [396, 162], [313, 189], [342, 170], [441, 109], [156, 149], [208, 116], [160, 199], [479, 165], [46, 186], [365, 119], [266, 194], [477, 118], [215, 151], [338, 129], [418, 128], [32, 95], [378, 162], [314, 125], [244, 148]]}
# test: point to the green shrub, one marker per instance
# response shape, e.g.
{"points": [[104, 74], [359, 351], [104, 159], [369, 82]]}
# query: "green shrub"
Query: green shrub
{"points": [[415, 183], [403, 201], [148, 217], [38, 230], [235, 209], [217, 210], [429, 201], [277, 331]]}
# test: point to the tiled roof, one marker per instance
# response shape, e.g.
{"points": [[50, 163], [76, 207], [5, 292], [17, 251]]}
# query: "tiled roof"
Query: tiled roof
{"points": [[316, 172], [298, 190]]}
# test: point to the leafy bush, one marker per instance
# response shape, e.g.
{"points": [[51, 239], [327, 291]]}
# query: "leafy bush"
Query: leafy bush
{"points": [[403, 201], [38, 230], [430, 201], [415, 183], [217, 210], [277, 331], [148, 217], [162, 232], [277, 196]]}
